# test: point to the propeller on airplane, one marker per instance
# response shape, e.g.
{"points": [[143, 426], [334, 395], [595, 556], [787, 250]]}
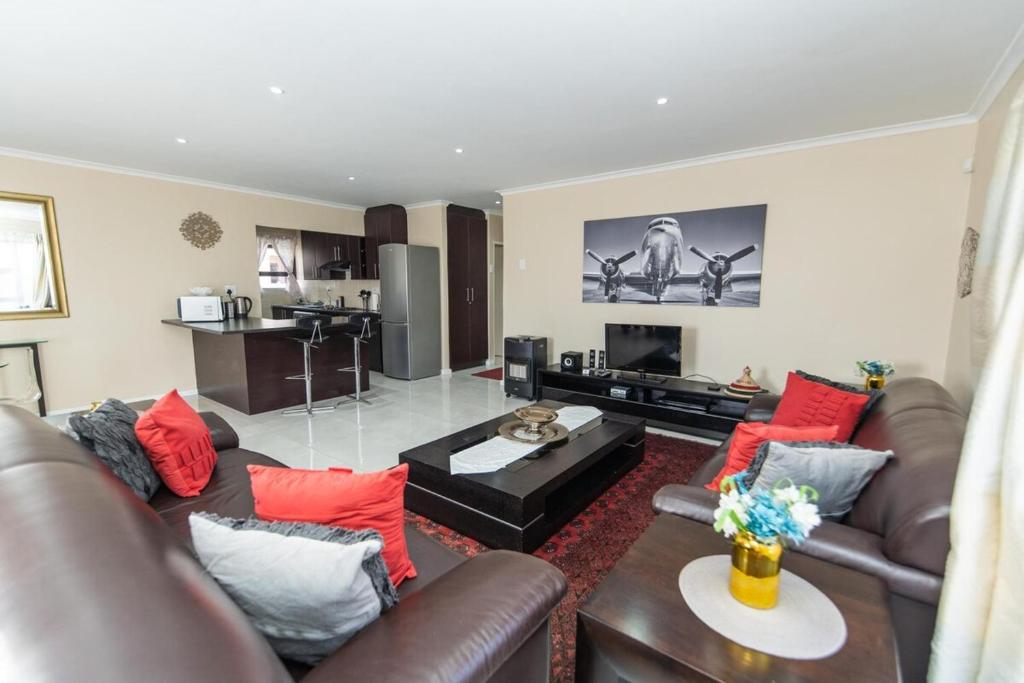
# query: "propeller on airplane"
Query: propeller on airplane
{"points": [[719, 265], [610, 267]]}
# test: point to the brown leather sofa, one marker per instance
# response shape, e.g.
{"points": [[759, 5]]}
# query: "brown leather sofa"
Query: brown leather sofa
{"points": [[898, 529], [97, 586]]}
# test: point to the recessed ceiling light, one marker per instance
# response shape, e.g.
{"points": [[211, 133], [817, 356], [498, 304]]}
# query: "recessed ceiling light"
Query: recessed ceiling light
{"points": [[497, 202], [276, 90], [181, 141], [458, 150], [351, 177], [662, 100]]}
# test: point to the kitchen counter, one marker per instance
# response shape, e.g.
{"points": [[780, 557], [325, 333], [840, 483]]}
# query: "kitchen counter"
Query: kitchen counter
{"points": [[244, 363], [246, 325]]}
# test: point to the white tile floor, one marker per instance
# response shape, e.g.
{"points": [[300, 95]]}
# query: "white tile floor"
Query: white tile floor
{"points": [[370, 437]]}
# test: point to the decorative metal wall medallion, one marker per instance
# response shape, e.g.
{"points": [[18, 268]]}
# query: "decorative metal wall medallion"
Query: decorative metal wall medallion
{"points": [[968, 253], [201, 230]]}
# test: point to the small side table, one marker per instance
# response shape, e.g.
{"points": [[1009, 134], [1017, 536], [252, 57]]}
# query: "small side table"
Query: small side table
{"points": [[33, 346], [636, 626]]}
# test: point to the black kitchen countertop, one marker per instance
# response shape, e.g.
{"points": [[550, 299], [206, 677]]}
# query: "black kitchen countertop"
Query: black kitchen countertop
{"points": [[247, 325]]}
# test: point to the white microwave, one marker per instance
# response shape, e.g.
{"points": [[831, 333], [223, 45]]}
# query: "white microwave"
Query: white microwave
{"points": [[200, 309]]}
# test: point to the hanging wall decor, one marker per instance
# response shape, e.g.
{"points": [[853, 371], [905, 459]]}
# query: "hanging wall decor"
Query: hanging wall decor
{"points": [[701, 258], [201, 230]]}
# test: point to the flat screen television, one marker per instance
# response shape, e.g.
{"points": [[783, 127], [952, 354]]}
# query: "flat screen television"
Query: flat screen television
{"points": [[656, 349]]}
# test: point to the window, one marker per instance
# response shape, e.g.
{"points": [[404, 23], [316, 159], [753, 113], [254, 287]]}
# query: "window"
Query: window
{"points": [[273, 274]]}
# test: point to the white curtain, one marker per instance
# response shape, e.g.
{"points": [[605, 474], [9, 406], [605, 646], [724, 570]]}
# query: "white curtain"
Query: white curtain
{"points": [[24, 272], [981, 615], [284, 242]]}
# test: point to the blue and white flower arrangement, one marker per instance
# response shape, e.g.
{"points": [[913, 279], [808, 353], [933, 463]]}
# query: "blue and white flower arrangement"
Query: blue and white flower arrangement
{"points": [[784, 512], [875, 368]]}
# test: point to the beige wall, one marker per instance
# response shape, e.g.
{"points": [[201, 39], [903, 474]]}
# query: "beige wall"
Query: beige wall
{"points": [[495, 233], [428, 227], [960, 375], [859, 257], [125, 263]]}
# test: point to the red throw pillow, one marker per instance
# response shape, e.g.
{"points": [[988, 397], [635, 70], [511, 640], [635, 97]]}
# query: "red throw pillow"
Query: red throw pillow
{"points": [[806, 402], [178, 443], [340, 497], [749, 435]]}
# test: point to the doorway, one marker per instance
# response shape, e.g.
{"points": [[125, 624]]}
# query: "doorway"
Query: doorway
{"points": [[497, 301]]}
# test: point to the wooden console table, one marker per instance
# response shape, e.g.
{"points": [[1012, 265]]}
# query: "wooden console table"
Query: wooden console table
{"points": [[33, 345]]}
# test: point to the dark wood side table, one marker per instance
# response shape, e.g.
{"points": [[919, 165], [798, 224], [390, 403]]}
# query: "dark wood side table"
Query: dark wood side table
{"points": [[636, 626], [32, 344]]}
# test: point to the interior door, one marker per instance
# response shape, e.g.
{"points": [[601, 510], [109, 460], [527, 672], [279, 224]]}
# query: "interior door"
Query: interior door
{"points": [[477, 269], [459, 349]]}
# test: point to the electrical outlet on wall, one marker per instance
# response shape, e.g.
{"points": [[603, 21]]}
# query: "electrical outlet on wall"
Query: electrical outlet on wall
{"points": [[230, 290]]}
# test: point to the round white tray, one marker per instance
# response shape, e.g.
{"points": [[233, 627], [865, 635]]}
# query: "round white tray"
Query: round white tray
{"points": [[804, 625]]}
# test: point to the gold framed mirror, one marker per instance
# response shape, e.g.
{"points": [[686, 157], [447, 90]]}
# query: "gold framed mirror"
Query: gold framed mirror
{"points": [[31, 273]]}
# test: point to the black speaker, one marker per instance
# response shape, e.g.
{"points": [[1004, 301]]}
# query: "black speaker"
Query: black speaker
{"points": [[572, 361], [600, 359], [592, 353]]}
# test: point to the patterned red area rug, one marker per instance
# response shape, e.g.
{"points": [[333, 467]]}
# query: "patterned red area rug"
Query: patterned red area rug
{"points": [[587, 547], [494, 373]]}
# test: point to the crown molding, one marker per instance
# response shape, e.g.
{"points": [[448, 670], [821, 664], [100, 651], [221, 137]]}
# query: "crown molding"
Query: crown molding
{"points": [[184, 180], [1007, 65], [423, 205], [809, 143]]}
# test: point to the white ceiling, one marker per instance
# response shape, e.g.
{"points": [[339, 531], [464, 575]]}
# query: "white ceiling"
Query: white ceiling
{"points": [[533, 91]]}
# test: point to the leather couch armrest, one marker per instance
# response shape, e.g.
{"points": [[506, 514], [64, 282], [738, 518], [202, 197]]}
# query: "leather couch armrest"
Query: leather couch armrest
{"points": [[224, 437], [862, 551], [762, 407], [461, 627], [692, 502]]}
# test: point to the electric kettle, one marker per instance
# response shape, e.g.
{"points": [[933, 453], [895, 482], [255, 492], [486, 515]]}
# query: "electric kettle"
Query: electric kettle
{"points": [[243, 305]]}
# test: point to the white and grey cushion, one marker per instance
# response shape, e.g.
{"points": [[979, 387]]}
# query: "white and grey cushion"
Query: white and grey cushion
{"points": [[305, 587], [838, 471], [109, 432]]}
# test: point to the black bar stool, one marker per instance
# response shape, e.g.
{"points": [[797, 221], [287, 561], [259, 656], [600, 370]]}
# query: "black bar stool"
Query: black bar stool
{"points": [[358, 328], [314, 323]]}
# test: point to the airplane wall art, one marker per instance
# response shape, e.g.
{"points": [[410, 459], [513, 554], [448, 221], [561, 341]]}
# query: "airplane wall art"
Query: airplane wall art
{"points": [[699, 258]]}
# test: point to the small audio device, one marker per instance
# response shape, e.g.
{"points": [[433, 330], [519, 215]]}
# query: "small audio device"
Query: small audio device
{"points": [[572, 361], [600, 359], [591, 365], [619, 392]]}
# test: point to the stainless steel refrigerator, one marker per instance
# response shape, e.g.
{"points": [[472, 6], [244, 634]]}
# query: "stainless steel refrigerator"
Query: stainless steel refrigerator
{"points": [[410, 307]]}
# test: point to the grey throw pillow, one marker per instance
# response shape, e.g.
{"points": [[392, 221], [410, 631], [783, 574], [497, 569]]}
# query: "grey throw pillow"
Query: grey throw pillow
{"points": [[838, 471], [109, 432], [307, 587]]}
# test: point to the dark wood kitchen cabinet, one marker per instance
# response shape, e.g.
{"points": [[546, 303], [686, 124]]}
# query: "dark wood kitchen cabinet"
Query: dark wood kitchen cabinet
{"points": [[467, 287], [319, 248], [387, 224]]}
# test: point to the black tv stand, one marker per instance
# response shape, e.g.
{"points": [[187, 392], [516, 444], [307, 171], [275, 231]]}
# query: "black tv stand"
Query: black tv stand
{"points": [[680, 405], [644, 378]]}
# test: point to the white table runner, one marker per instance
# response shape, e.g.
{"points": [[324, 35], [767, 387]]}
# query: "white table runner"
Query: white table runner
{"points": [[493, 454]]}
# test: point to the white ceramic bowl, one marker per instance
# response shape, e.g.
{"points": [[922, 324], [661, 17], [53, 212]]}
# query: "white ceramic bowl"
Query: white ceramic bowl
{"points": [[201, 291]]}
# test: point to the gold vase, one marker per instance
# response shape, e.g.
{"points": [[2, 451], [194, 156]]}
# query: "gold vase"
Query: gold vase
{"points": [[754, 577], [874, 382]]}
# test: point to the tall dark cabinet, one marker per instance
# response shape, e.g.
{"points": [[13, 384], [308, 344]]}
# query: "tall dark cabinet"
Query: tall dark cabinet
{"points": [[385, 224], [467, 287]]}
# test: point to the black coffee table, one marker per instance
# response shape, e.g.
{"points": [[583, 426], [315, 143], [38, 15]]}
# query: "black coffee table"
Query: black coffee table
{"points": [[521, 505]]}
